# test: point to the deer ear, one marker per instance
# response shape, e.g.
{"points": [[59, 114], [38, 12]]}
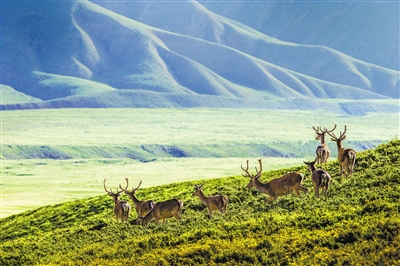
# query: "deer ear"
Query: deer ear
{"points": [[343, 137], [333, 139]]}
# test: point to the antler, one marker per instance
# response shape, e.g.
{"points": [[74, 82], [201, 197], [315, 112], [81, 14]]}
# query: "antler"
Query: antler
{"points": [[197, 187], [344, 132], [326, 130], [104, 183], [138, 186], [246, 170], [341, 134], [127, 184], [258, 173], [317, 130]]}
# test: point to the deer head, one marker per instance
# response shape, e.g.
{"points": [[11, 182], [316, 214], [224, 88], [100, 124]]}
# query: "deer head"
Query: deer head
{"points": [[198, 190], [339, 139], [321, 133], [311, 165], [130, 193], [252, 177], [114, 196]]}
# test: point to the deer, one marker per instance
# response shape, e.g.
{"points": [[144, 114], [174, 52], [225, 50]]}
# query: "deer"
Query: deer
{"points": [[319, 177], [212, 203], [163, 210], [142, 206], [122, 209], [322, 150], [276, 187], [346, 157]]}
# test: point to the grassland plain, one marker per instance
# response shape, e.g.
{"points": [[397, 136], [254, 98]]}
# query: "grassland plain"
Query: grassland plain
{"points": [[68, 152], [357, 224]]}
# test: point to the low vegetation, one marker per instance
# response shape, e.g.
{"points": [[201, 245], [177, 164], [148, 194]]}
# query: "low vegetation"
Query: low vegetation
{"points": [[358, 223]]}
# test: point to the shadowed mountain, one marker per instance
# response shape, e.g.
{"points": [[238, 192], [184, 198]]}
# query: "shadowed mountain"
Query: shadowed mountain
{"points": [[80, 54], [368, 31]]}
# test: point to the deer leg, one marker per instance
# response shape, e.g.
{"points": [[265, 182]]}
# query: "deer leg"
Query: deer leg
{"points": [[349, 170], [177, 216], [326, 189], [272, 197], [341, 170], [304, 189], [316, 189]]}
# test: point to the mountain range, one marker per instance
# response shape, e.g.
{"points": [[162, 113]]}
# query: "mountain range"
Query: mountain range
{"points": [[287, 55]]}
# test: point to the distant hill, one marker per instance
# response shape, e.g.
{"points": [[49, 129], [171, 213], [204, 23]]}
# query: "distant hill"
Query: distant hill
{"points": [[100, 54]]}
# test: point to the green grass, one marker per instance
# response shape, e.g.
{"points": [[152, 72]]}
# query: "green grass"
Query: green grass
{"points": [[358, 224]]}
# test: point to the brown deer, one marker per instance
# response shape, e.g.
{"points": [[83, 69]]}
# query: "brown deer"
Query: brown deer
{"points": [[320, 178], [212, 203], [122, 209], [346, 157], [322, 150], [142, 206], [276, 187], [163, 210]]}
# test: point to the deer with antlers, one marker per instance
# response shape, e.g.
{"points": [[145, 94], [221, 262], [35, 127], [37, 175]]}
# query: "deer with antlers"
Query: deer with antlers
{"points": [[276, 187], [346, 157], [142, 206], [163, 210], [319, 177], [212, 203], [322, 150], [122, 209]]}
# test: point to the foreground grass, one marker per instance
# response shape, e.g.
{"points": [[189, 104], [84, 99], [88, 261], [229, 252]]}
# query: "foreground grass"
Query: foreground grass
{"points": [[358, 224]]}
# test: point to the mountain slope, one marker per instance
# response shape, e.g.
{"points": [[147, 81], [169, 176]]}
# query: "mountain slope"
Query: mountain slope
{"points": [[368, 31], [221, 58], [358, 223]]}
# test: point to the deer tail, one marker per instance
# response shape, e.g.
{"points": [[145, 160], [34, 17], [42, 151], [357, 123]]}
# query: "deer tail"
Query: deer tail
{"points": [[352, 155], [126, 208]]}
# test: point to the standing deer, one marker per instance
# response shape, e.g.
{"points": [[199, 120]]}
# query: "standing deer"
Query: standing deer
{"points": [[276, 187], [322, 150], [142, 206], [320, 178], [163, 210], [218, 202], [346, 157], [122, 209]]}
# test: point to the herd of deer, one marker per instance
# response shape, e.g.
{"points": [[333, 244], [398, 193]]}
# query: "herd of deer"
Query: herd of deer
{"points": [[148, 210]]}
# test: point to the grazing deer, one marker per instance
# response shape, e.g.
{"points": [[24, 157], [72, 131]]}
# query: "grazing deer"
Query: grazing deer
{"points": [[142, 206], [122, 209], [218, 202], [276, 187], [322, 150], [346, 157], [163, 210], [320, 178]]}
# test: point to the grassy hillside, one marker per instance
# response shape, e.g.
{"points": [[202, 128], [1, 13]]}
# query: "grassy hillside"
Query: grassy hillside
{"points": [[11, 96], [358, 223]]}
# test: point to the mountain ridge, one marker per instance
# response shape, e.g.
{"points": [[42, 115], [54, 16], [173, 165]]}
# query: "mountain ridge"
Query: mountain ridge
{"points": [[99, 49]]}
